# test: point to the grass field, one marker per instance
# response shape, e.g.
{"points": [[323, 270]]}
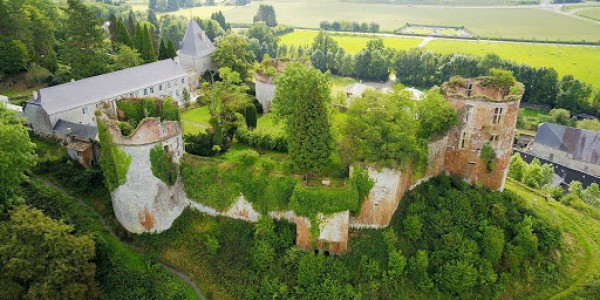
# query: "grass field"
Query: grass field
{"points": [[590, 13], [581, 246], [581, 62], [195, 120], [351, 43], [527, 23]]}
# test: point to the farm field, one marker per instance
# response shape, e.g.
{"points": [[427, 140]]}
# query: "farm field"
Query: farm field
{"points": [[521, 23], [350, 43], [581, 62], [591, 13]]}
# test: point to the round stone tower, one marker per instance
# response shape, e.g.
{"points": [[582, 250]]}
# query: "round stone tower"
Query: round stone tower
{"points": [[144, 202]]}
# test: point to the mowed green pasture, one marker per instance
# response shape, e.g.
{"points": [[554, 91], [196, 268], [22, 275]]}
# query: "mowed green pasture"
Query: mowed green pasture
{"points": [[590, 13], [521, 23], [350, 43], [581, 62]]}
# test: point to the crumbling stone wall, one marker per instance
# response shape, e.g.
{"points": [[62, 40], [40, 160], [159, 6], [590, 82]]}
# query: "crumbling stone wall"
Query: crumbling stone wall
{"points": [[333, 232], [479, 125], [145, 203]]}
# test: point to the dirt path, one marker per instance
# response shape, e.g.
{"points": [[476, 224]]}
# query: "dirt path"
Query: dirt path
{"points": [[108, 229]]}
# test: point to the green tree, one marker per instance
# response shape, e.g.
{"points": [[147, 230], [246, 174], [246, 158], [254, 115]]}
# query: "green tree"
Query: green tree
{"points": [[413, 226], [17, 157], [126, 58], [589, 124], [301, 99], [458, 276], [576, 188], [42, 259], [171, 49], [219, 17], [162, 50], [436, 116], [560, 116], [534, 175], [232, 52], [381, 129], [517, 167], [83, 47], [148, 52], [572, 94], [138, 40], [122, 35], [13, 56], [492, 243], [266, 14], [251, 116], [418, 266]]}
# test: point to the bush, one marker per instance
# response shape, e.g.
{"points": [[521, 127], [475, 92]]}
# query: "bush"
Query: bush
{"points": [[246, 158], [262, 140], [310, 200], [126, 128], [203, 143], [162, 165], [251, 116]]}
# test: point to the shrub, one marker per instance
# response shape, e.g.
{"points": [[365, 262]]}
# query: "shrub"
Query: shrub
{"points": [[246, 158], [488, 156], [170, 111], [126, 128], [162, 165], [251, 116], [203, 143], [262, 140], [310, 200], [362, 183]]}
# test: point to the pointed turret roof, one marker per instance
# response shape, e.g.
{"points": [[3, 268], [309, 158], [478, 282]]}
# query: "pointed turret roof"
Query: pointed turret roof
{"points": [[195, 42]]}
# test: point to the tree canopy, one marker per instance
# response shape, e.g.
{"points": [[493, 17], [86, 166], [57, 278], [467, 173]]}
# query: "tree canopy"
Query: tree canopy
{"points": [[301, 99], [232, 52], [17, 156]]}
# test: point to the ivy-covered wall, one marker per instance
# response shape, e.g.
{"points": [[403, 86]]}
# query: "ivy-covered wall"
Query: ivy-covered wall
{"points": [[113, 160], [162, 165]]}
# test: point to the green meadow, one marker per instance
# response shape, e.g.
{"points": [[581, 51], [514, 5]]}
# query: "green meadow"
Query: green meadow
{"points": [[581, 62], [352, 43]]}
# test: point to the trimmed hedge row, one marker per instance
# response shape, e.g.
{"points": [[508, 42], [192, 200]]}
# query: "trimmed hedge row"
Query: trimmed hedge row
{"points": [[136, 109], [262, 140]]}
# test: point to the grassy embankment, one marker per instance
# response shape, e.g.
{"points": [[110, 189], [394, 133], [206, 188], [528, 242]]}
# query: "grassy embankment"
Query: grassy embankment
{"points": [[581, 245]]}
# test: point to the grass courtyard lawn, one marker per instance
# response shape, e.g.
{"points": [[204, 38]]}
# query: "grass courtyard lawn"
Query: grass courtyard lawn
{"points": [[581, 62], [581, 248], [195, 120], [486, 22], [350, 43], [268, 123]]}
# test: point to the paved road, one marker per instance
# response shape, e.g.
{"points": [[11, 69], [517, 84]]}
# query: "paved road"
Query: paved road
{"points": [[108, 229]]}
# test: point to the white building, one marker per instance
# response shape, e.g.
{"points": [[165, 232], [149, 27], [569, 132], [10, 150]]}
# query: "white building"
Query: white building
{"points": [[76, 101]]}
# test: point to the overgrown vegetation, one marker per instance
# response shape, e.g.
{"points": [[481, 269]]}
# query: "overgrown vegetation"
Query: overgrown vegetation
{"points": [[114, 161], [162, 165], [263, 140], [136, 109]]}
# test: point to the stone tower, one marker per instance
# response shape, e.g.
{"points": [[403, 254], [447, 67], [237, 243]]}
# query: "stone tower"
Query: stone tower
{"points": [[195, 49], [487, 118], [144, 203]]}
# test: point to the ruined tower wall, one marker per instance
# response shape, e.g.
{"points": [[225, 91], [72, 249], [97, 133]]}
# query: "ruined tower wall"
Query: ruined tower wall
{"points": [[144, 203], [380, 205], [481, 122]]}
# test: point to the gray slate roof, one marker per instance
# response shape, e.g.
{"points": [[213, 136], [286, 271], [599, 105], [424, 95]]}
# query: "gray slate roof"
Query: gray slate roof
{"points": [[98, 88], [83, 131], [583, 144], [195, 42]]}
